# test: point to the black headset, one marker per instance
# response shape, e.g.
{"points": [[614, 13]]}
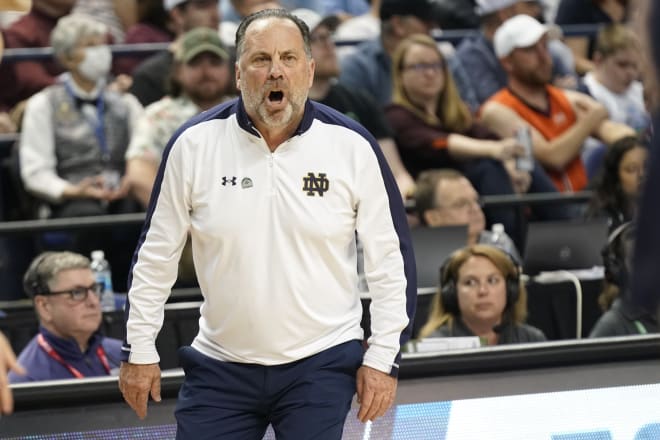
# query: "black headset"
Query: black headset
{"points": [[33, 281], [614, 258], [449, 293]]}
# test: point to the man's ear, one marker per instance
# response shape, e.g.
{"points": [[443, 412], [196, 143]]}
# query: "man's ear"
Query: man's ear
{"points": [[237, 75], [432, 217], [506, 63], [42, 307]]}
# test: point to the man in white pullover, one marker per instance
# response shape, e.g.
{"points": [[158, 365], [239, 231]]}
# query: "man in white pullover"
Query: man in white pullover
{"points": [[274, 189]]}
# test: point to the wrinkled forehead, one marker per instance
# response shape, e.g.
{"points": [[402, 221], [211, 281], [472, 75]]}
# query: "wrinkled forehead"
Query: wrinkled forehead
{"points": [[270, 30]]}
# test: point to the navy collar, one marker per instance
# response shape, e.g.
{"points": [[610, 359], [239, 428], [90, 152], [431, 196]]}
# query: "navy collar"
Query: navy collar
{"points": [[246, 123], [68, 348]]}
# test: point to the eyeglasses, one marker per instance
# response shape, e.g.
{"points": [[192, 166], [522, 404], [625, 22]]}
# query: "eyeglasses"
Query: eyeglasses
{"points": [[79, 294], [424, 67]]}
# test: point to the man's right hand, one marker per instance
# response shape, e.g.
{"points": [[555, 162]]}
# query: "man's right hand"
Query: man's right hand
{"points": [[136, 383]]}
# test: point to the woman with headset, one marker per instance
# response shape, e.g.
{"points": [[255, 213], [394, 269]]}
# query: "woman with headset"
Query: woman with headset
{"points": [[481, 294], [622, 316]]}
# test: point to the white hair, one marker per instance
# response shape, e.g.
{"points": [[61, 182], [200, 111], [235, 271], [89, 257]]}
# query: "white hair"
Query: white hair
{"points": [[70, 29]]}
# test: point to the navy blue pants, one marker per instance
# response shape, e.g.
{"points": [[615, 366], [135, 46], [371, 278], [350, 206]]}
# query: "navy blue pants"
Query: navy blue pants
{"points": [[306, 399]]}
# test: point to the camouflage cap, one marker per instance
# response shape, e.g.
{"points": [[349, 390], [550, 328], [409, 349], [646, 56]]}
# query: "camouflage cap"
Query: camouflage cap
{"points": [[197, 41]]}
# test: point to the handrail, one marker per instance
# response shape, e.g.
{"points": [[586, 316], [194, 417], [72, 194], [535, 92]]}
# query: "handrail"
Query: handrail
{"points": [[138, 49], [504, 200], [106, 221]]}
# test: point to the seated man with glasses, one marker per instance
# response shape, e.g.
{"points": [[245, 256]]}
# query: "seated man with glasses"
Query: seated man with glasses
{"points": [[445, 197], [67, 302]]}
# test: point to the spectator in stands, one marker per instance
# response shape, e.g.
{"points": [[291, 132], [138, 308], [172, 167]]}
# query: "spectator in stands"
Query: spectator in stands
{"points": [[75, 132], [150, 77], [477, 54], [368, 68], [354, 103], [559, 120], [574, 12], [153, 25], [622, 317], [618, 187], [614, 80], [481, 294], [433, 128], [614, 83], [238, 10], [200, 80], [346, 8], [361, 27], [117, 15], [31, 30], [67, 303], [7, 124], [8, 364], [445, 197]]}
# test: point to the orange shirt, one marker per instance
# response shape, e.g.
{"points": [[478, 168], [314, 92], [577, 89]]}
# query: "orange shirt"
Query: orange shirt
{"points": [[551, 125]]}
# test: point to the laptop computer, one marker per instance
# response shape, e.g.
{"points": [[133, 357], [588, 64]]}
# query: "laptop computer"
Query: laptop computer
{"points": [[564, 245], [432, 246]]}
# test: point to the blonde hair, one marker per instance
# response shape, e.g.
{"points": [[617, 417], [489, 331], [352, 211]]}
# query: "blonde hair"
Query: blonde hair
{"points": [[438, 316], [452, 112], [615, 37]]}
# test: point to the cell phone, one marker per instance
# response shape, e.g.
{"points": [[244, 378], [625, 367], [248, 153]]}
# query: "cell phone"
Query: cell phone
{"points": [[111, 179], [526, 161]]}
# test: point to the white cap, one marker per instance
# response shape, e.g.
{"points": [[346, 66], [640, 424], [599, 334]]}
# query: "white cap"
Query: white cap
{"points": [[519, 31], [485, 7], [98, 255], [311, 18], [171, 4]]}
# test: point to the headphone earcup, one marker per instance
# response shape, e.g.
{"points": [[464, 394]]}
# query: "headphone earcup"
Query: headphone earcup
{"points": [[612, 260], [33, 283], [512, 291], [612, 268], [449, 297]]}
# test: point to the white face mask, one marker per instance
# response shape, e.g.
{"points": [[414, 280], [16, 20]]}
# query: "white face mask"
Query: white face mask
{"points": [[96, 62]]}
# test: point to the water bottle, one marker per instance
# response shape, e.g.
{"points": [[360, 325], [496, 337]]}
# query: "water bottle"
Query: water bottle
{"points": [[498, 237], [101, 269]]}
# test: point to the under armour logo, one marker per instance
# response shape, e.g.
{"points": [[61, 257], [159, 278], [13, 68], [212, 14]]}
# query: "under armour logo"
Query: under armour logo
{"points": [[226, 180], [313, 184]]}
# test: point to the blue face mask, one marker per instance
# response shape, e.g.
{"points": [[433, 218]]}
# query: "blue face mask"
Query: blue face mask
{"points": [[96, 62]]}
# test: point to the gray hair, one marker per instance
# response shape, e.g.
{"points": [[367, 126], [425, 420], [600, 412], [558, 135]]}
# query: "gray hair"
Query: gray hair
{"points": [[271, 13], [70, 29], [46, 266]]}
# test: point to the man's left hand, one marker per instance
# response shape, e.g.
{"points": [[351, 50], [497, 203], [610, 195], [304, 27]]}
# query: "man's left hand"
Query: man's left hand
{"points": [[375, 393]]}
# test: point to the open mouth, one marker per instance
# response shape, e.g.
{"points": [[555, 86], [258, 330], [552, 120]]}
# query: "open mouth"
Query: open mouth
{"points": [[276, 96]]}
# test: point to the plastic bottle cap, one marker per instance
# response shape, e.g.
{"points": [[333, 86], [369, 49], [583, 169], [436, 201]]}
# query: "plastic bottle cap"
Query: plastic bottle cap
{"points": [[98, 255], [498, 228]]}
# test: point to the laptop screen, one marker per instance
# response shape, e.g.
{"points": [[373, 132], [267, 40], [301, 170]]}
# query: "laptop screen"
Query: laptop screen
{"points": [[564, 245], [432, 246]]}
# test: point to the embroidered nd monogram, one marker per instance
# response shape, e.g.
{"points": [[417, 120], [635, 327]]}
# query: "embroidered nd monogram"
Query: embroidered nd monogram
{"points": [[313, 184]]}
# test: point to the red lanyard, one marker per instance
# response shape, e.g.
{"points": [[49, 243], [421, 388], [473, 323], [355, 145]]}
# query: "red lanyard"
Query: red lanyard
{"points": [[100, 352]]}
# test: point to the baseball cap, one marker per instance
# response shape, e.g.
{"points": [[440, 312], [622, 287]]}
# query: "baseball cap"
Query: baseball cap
{"points": [[485, 7], [199, 40], [171, 4], [519, 31], [422, 9]]}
